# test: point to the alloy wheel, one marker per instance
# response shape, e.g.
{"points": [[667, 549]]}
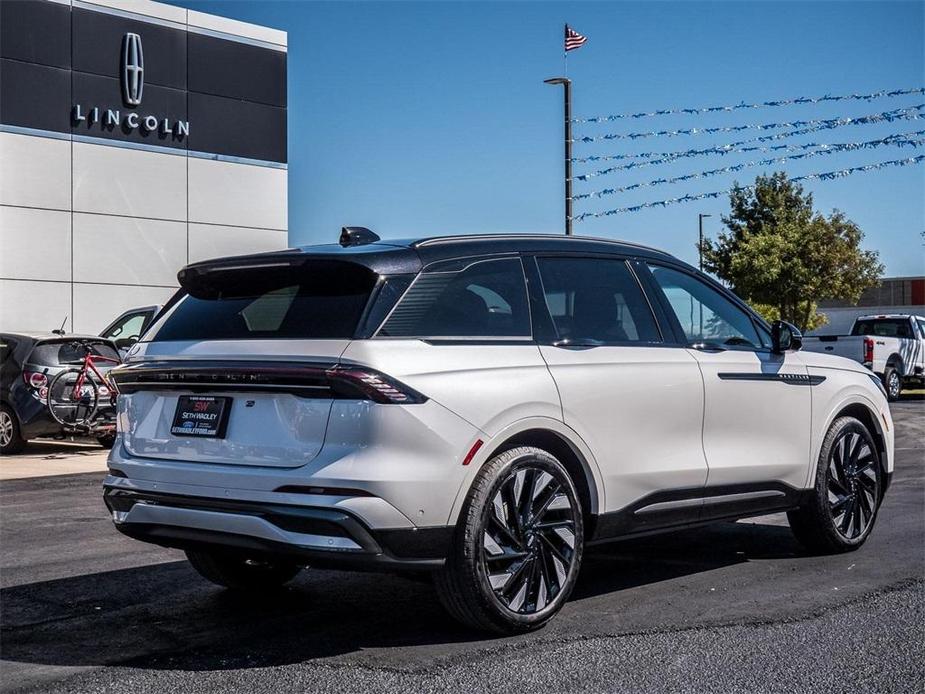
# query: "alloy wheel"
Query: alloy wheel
{"points": [[893, 384], [529, 538], [6, 429], [852, 484]]}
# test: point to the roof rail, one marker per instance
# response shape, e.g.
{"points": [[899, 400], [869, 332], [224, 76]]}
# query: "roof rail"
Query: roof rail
{"points": [[436, 240]]}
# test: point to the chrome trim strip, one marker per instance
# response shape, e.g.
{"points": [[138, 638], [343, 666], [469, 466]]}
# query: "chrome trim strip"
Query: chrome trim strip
{"points": [[238, 524], [126, 14], [33, 132], [239, 160], [669, 505], [141, 146], [791, 378], [214, 33], [722, 498], [127, 144]]}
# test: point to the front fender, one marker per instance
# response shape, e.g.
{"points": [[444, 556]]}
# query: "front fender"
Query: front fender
{"points": [[828, 410]]}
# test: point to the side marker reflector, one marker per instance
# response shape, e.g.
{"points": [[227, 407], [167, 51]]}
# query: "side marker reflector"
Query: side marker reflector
{"points": [[472, 451]]}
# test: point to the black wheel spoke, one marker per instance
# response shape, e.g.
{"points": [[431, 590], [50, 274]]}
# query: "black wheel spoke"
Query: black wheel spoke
{"points": [[513, 518], [506, 556], [852, 484], [837, 487], [846, 520], [838, 460], [517, 583], [865, 508], [499, 527], [563, 551], [529, 538], [552, 493]]}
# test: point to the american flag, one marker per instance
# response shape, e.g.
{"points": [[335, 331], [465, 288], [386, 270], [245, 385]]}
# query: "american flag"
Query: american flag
{"points": [[573, 39]]}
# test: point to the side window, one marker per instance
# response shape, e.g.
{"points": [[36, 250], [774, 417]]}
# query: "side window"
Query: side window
{"points": [[6, 350], [921, 322], [596, 299], [130, 326], [485, 299], [705, 314]]}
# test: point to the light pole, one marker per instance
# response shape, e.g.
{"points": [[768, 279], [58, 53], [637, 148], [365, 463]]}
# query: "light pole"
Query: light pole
{"points": [[567, 96], [700, 245]]}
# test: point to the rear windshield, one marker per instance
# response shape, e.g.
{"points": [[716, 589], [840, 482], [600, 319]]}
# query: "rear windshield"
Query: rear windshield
{"points": [[883, 327], [70, 352], [319, 299]]}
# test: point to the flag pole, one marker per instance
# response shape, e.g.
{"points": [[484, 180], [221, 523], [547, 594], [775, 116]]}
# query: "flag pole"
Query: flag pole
{"points": [[567, 102]]}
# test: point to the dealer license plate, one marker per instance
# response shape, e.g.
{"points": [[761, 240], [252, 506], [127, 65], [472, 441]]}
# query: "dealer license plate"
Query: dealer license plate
{"points": [[201, 415]]}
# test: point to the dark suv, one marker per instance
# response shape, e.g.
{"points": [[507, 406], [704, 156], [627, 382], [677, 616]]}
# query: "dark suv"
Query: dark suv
{"points": [[28, 363]]}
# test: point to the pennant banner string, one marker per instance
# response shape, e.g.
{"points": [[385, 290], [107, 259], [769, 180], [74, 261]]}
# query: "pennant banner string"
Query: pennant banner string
{"points": [[762, 104], [717, 172], [827, 176], [809, 126], [899, 140], [720, 149]]}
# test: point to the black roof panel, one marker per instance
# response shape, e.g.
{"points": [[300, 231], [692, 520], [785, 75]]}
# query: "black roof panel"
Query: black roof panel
{"points": [[408, 256]]}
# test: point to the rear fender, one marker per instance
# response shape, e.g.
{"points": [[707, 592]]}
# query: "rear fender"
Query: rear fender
{"points": [[491, 446]]}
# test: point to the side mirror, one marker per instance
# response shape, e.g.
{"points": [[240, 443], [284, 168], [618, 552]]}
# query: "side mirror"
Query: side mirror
{"points": [[785, 337], [126, 342]]}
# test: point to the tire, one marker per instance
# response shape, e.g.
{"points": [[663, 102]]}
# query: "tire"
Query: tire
{"points": [[506, 571], [240, 573], [11, 440], [847, 492], [893, 383], [66, 411], [106, 441]]}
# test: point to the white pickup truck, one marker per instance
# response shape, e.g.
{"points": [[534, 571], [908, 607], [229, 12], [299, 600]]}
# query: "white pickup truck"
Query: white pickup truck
{"points": [[892, 346]]}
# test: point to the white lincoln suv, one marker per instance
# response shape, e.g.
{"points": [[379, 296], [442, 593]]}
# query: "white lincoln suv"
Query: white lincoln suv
{"points": [[479, 407]]}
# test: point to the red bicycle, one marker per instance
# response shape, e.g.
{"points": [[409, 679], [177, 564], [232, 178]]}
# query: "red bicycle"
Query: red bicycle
{"points": [[74, 394]]}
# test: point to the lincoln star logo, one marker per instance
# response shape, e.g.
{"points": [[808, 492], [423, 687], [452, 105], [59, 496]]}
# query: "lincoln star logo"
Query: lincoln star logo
{"points": [[133, 69]]}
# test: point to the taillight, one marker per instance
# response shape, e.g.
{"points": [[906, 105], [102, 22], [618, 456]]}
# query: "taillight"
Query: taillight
{"points": [[35, 379], [315, 380], [868, 350], [346, 380]]}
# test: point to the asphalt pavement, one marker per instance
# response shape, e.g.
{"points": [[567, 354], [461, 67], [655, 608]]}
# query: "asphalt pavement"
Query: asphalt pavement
{"points": [[734, 607]]}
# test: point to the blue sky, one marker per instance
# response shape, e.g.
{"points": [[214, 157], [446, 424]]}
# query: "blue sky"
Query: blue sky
{"points": [[432, 118]]}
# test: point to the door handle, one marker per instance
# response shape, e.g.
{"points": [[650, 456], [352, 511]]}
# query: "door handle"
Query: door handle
{"points": [[708, 347], [586, 342]]}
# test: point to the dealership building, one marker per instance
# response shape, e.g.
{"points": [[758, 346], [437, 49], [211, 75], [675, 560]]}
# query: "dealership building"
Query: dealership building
{"points": [[135, 137]]}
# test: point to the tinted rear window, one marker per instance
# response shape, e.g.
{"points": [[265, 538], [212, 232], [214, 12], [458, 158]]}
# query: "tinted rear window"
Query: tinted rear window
{"points": [[884, 327], [319, 299], [70, 352]]}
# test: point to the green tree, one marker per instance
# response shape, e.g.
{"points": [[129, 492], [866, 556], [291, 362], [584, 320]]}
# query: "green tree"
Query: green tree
{"points": [[781, 256]]}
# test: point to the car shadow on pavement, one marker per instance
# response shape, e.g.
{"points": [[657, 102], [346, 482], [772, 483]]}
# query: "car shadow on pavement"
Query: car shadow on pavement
{"points": [[164, 616]]}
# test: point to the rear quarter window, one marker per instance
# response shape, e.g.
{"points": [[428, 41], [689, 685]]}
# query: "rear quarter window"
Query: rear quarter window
{"points": [[486, 298]]}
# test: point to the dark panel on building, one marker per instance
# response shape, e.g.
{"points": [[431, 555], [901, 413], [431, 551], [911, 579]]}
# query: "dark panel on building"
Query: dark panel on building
{"points": [[36, 32], [237, 70], [105, 93], [97, 40], [237, 128], [34, 96]]}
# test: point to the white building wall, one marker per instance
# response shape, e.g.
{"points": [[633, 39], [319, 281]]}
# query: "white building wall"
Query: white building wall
{"points": [[89, 229]]}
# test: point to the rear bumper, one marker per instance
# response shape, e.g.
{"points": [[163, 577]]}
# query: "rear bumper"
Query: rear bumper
{"points": [[318, 536], [38, 422]]}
